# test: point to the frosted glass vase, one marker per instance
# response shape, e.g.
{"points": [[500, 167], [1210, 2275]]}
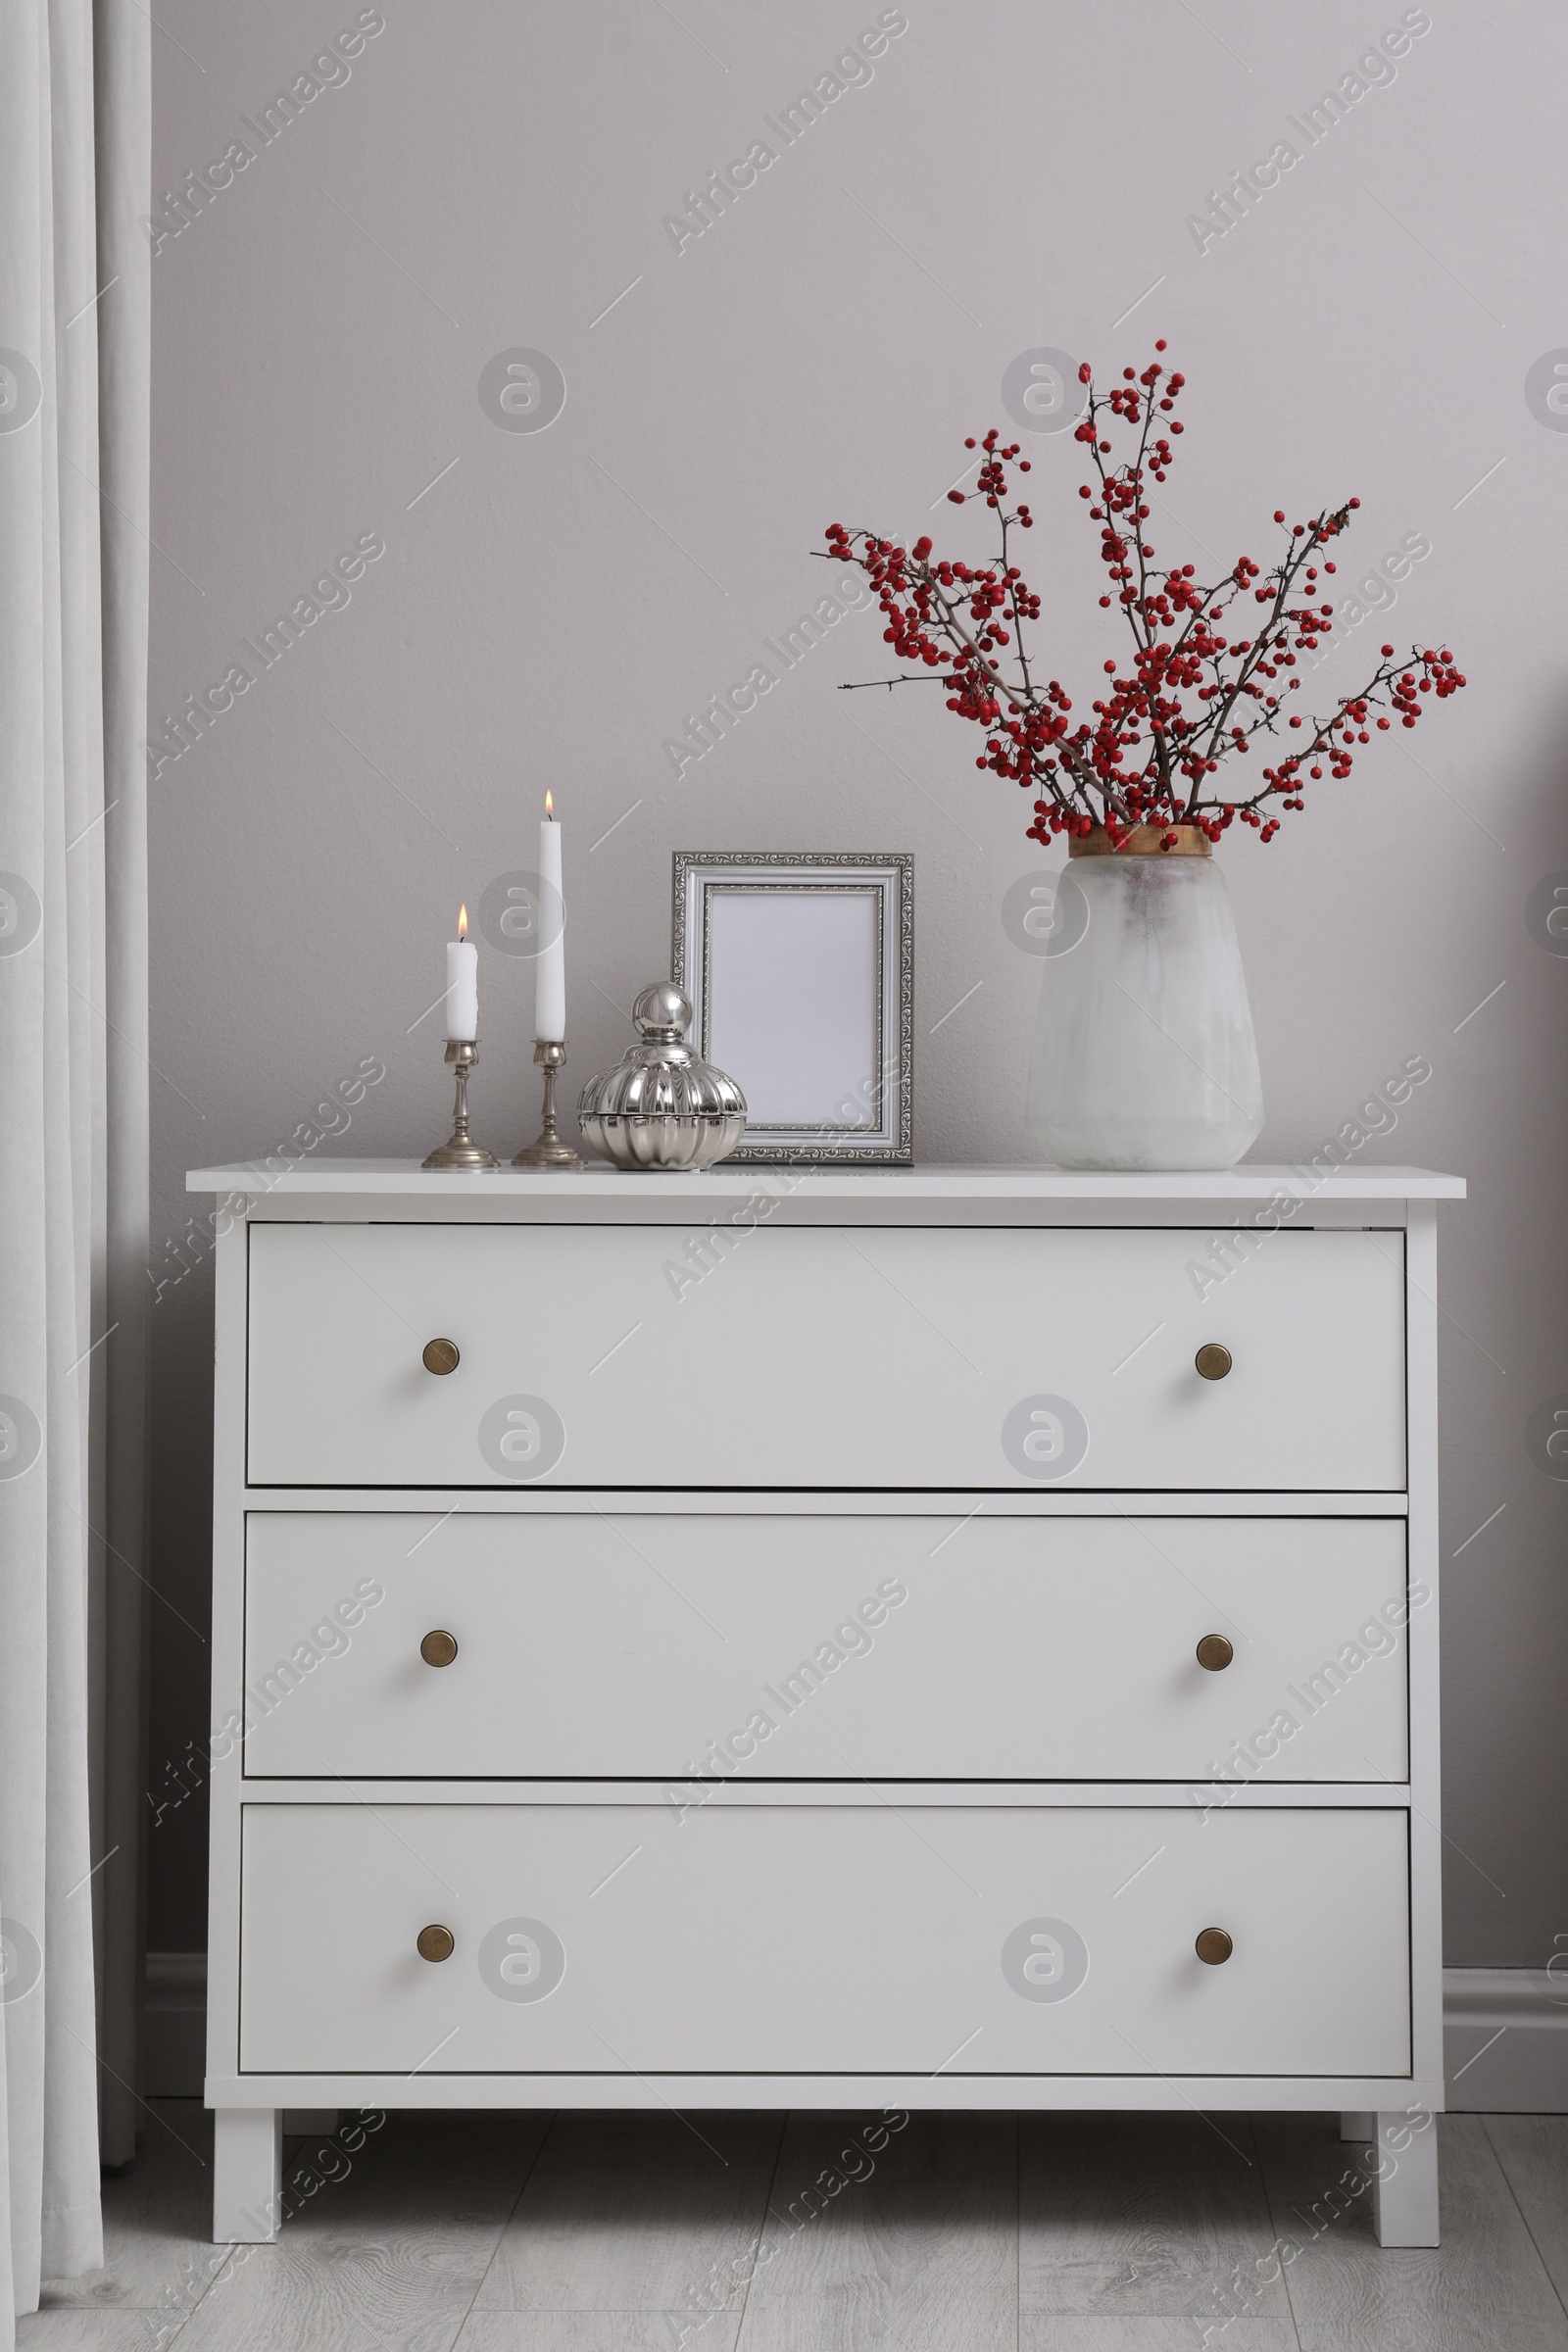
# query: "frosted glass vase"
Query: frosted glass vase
{"points": [[1144, 1053]]}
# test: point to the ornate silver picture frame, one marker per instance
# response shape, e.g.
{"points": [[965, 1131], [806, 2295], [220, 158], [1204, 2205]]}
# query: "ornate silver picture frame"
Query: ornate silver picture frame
{"points": [[800, 972]]}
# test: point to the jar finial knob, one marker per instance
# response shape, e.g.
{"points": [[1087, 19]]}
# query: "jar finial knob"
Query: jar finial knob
{"points": [[662, 1012]]}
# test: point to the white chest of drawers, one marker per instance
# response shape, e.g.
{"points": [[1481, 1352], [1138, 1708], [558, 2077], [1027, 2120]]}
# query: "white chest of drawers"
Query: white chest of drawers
{"points": [[813, 1638]]}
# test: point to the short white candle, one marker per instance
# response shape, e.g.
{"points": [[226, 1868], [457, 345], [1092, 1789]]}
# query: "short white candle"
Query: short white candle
{"points": [[463, 983], [550, 981]]}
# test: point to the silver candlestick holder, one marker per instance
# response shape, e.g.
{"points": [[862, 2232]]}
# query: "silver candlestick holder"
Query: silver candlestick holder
{"points": [[547, 1151], [459, 1154]]}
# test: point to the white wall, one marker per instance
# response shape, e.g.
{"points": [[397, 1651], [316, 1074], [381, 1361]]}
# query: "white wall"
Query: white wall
{"points": [[1012, 176]]}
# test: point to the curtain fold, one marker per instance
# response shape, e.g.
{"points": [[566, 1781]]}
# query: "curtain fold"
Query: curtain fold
{"points": [[74, 131], [123, 94]]}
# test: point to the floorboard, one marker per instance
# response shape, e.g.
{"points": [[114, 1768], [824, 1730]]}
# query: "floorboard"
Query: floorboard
{"points": [[1533, 2150], [72, 2327], [1484, 2289], [1145, 2217], [637, 2212], [909, 2245], [388, 2256], [1109, 2334], [597, 2332]]}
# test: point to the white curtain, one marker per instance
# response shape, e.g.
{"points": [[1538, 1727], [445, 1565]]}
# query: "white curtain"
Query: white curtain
{"points": [[74, 289]]}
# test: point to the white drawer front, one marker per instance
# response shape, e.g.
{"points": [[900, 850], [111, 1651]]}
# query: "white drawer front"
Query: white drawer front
{"points": [[822, 1358], [812, 1940], [618, 1646]]}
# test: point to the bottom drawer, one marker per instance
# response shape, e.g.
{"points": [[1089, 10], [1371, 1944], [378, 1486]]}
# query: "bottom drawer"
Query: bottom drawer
{"points": [[811, 1938]]}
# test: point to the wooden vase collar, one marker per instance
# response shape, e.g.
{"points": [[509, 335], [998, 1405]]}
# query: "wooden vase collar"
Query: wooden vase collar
{"points": [[1142, 840]]}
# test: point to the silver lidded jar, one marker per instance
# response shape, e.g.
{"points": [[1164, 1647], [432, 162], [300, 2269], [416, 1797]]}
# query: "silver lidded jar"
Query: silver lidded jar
{"points": [[661, 1107]]}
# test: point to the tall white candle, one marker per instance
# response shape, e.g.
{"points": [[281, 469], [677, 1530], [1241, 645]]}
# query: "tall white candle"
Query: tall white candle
{"points": [[462, 982], [550, 981]]}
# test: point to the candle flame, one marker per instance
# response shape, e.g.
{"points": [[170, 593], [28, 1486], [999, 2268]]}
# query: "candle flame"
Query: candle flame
{"points": [[550, 806], [462, 922]]}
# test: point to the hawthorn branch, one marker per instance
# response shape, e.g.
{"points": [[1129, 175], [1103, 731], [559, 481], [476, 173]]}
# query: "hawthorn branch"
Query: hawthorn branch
{"points": [[1193, 696]]}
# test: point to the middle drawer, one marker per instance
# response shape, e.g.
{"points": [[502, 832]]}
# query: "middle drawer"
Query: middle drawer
{"points": [[663, 1645]]}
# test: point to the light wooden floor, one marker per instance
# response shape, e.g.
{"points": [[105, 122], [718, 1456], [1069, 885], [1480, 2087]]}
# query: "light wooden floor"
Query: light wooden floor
{"points": [[964, 2233]]}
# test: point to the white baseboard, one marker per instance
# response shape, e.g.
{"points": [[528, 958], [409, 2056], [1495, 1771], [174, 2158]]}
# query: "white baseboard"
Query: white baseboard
{"points": [[1505, 2035], [174, 2045], [1506, 2041]]}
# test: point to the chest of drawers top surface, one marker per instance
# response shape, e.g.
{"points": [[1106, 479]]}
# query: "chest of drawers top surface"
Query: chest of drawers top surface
{"points": [[276, 1186]]}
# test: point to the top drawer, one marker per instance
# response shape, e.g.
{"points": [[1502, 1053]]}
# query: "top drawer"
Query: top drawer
{"points": [[904, 1357]]}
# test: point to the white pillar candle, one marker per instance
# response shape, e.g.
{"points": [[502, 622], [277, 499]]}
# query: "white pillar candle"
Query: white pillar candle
{"points": [[463, 983], [550, 981]]}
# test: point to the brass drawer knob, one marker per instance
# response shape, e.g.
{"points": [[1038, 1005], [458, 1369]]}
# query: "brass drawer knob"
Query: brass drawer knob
{"points": [[439, 1944], [1212, 1360], [1213, 1945], [441, 1355], [439, 1649], [1213, 1652]]}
